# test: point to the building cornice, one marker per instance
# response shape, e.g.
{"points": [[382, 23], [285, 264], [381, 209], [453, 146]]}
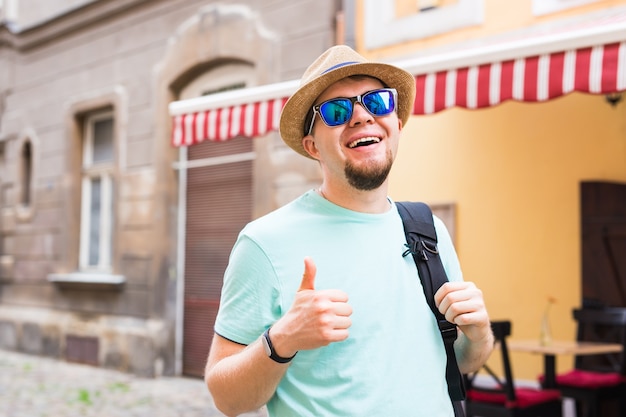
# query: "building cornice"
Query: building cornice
{"points": [[70, 21]]}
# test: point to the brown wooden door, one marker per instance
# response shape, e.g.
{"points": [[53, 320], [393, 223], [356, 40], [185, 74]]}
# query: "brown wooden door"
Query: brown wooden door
{"points": [[219, 204], [603, 215]]}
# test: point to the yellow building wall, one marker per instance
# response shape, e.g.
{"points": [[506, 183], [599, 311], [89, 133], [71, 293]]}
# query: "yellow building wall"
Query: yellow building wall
{"points": [[513, 172], [500, 16]]}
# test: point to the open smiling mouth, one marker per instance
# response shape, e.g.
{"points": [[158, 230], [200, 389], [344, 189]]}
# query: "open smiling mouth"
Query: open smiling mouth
{"points": [[364, 142]]}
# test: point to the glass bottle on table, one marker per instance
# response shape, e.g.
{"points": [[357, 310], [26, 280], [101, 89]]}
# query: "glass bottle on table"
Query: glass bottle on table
{"points": [[545, 333]]}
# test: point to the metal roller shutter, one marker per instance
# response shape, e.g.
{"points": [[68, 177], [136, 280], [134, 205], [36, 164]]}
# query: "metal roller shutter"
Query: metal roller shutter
{"points": [[219, 204]]}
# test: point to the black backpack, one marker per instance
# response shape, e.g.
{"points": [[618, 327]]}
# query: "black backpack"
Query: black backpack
{"points": [[421, 238]]}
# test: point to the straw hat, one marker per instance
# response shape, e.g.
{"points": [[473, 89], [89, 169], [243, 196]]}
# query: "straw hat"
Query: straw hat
{"points": [[333, 65]]}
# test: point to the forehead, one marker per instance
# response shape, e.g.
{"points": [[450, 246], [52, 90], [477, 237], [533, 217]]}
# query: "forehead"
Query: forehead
{"points": [[350, 87]]}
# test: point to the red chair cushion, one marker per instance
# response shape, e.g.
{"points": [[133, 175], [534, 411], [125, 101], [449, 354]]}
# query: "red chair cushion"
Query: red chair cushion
{"points": [[589, 379], [526, 397]]}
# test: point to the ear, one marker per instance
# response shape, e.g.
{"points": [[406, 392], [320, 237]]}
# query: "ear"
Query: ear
{"points": [[399, 125], [308, 143]]}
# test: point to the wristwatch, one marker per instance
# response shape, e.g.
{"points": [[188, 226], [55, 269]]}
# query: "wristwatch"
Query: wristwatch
{"points": [[269, 349]]}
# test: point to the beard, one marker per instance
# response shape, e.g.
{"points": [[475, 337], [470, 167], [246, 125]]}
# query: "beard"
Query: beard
{"points": [[370, 176]]}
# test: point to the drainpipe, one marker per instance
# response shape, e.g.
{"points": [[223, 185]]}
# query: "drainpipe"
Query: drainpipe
{"points": [[180, 258]]}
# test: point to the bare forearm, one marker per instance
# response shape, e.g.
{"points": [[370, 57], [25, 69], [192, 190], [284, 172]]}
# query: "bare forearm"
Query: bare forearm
{"points": [[471, 355], [244, 381]]}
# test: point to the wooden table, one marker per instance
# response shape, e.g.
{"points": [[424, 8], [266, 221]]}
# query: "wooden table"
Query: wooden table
{"points": [[558, 347]]}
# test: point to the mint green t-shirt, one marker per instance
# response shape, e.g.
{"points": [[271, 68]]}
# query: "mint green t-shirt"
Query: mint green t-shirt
{"points": [[393, 363]]}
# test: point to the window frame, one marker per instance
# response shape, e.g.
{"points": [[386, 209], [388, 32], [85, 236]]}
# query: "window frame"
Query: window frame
{"points": [[89, 171], [382, 27]]}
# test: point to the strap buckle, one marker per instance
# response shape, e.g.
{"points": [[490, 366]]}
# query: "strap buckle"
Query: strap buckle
{"points": [[414, 248], [429, 247], [448, 331]]}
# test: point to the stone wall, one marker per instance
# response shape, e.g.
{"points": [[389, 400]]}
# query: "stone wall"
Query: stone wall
{"points": [[130, 56]]}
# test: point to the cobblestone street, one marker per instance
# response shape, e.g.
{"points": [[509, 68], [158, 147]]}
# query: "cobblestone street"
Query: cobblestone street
{"points": [[32, 386]]}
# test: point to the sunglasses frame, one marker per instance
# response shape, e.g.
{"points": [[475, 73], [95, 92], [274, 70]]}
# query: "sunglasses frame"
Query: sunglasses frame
{"points": [[356, 99]]}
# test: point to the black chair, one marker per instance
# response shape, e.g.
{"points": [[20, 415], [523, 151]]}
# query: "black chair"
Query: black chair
{"points": [[598, 382], [504, 399]]}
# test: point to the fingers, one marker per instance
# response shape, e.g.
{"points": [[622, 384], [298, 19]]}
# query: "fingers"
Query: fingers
{"points": [[451, 292], [461, 303], [308, 278]]}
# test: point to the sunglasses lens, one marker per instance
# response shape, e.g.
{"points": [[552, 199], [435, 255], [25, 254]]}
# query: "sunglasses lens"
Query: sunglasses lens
{"points": [[379, 102], [336, 112]]}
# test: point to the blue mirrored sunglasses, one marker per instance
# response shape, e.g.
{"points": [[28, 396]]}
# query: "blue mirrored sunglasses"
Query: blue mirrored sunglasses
{"points": [[337, 111]]}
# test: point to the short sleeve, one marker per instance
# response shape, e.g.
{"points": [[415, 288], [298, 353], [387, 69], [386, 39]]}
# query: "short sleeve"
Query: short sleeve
{"points": [[249, 302]]}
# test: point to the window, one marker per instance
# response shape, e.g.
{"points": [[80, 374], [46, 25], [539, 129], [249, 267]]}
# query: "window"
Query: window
{"points": [[389, 22], [219, 79], [425, 5], [97, 193], [406, 8], [26, 174]]}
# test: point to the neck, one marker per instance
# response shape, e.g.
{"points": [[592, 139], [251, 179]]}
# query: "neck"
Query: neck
{"points": [[370, 201]]}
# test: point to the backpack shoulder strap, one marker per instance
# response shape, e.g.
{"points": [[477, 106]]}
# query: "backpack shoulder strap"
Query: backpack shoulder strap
{"points": [[421, 237]]}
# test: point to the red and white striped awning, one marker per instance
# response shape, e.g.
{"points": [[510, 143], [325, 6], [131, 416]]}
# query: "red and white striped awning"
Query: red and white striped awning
{"points": [[600, 69], [248, 112], [589, 58]]}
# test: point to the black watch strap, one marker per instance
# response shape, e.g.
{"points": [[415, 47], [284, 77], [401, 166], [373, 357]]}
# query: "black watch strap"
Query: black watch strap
{"points": [[269, 349]]}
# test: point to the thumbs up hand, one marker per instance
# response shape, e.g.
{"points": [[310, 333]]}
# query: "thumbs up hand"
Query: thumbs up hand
{"points": [[316, 318]]}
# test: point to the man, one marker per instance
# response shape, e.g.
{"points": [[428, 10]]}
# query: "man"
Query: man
{"points": [[321, 315]]}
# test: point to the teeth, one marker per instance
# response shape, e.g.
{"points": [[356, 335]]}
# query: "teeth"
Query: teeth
{"points": [[358, 142]]}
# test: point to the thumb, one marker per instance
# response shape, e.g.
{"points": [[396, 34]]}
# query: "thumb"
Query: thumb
{"points": [[308, 278]]}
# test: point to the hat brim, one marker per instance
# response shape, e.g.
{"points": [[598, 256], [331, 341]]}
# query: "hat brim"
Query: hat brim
{"points": [[293, 115]]}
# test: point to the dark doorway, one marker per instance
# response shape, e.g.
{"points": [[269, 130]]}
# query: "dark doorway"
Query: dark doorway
{"points": [[603, 228]]}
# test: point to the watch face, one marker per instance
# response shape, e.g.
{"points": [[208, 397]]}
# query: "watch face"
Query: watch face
{"points": [[266, 346]]}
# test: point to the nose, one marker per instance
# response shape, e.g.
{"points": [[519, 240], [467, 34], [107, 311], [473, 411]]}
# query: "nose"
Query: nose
{"points": [[360, 115]]}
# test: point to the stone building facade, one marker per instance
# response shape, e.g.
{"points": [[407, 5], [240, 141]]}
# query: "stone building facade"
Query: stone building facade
{"points": [[91, 253]]}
